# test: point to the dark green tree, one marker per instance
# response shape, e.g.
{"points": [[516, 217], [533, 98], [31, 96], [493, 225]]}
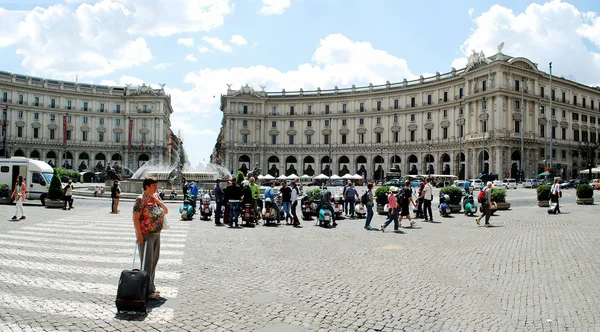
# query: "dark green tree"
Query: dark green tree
{"points": [[587, 152], [55, 190]]}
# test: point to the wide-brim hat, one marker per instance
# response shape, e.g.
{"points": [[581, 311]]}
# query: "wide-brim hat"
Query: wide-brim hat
{"points": [[394, 189]]}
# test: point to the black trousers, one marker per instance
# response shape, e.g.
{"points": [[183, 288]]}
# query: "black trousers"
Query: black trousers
{"points": [[426, 209], [69, 200], [294, 206], [218, 211]]}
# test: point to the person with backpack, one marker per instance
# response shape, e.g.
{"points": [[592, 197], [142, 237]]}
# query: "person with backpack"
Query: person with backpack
{"points": [[427, 199], [367, 200], [325, 203], [350, 198], [485, 199], [68, 193], [392, 210]]}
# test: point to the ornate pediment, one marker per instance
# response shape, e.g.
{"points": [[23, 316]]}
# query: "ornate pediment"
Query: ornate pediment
{"points": [[118, 130], [274, 132], [564, 124], [70, 127], [412, 127], [144, 90], [36, 125], [523, 63], [378, 129], [542, 121], [101, 129], [309, 132], [445, 124], [291, 132], [85, 128], [593, 129], [144, 131], [245, 91], [52, 126], [395, 128], [484, 116], [361, 130], [517, 116], [344, 131], [429, 125], [575, 125], [554, 123], [20, 123], [326, 131], [245, 131], [584, 127]]}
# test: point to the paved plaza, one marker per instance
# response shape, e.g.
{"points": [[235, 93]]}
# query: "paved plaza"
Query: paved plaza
{"points": [[531, 272]]}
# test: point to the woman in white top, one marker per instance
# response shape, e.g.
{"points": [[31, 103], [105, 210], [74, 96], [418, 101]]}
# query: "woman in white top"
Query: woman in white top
{"points": [[555, 192], [19, 195]]}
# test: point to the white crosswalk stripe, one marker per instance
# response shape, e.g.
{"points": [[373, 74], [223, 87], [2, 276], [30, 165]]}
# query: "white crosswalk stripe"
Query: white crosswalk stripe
{"points": [[80, 254]]}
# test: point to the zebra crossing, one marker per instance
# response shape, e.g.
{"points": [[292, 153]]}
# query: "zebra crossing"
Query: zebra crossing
{"points": [[69, 268]]}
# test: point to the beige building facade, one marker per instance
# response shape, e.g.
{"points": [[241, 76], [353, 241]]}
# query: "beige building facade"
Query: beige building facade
{"points": [[77, 124], [464, 122]]}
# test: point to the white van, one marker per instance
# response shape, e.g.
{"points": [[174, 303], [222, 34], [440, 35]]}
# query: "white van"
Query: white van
{"points": [[36, 175]]}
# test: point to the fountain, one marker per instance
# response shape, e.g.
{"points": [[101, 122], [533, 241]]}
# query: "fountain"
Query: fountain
{"points": [[173, 176]]}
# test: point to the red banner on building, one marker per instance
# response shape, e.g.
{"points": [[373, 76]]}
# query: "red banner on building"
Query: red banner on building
{"points": [[65, 129], [130, 134]]}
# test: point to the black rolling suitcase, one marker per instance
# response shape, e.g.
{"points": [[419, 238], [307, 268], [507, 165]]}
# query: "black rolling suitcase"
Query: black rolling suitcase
{"points": [[134, 288]]}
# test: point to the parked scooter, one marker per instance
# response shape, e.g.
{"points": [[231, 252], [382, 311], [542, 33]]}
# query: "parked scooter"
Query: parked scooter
{"points": [[186, 209], [469, 205], [247, 214], [324, 219], [360, 210], [445, 207], [269, 214], [338, 205], [307, 210], [206, 210]]}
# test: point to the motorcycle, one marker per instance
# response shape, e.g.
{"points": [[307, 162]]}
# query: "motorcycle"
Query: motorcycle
{"points": [[445, 207], [186, 209], [338, 205], [206, 210], [469, 205], [307, 209], [360, 210], [247, 214], [268, 214], [325, 218]]}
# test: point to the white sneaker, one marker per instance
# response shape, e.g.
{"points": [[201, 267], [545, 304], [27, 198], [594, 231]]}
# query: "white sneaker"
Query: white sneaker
{"points": [[382, 228]]}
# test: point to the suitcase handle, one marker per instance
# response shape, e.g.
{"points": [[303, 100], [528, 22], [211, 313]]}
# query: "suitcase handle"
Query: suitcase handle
{"points": [[143, 258]]}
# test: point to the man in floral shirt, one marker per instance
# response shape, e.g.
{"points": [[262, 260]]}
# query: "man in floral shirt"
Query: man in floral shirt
{"points": [[148, 219]]}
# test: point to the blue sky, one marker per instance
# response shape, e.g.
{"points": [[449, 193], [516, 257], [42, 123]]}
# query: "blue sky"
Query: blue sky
{"points": [[190, 44]]}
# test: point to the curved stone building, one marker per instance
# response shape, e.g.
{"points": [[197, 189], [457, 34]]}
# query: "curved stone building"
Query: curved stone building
{"points": [[76, 124], [463, 123]]}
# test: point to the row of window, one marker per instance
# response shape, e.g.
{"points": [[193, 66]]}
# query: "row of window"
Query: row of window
{"points": [[564, 98], [36, 116], [84, 137], [69, 105]]}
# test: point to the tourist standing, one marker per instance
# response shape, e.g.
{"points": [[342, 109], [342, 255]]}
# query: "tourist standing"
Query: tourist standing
{"points": [[406, 197], [369, 206], [218, 192], [18, 195], [345, 202], [392, 209], [255, 197], [234, 195], [148, 220], [68, 193], [427, 199], [270, 195], [294, 199], [351, 194], [286, 200], [420, 201], [485, 204], [556, 194], [115, 194]]}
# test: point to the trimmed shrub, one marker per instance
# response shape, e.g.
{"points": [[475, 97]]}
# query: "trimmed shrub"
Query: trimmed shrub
{"points": [[381, 194], [543, 192], [454, 192], [584, 190], [69, 173], [4, 190], [314, 194], [499, 195], [55, 191]]}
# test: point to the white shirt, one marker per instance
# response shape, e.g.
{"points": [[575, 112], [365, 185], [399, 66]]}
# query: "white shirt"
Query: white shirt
{"points": [[294, 194], [555, 189], [428, 192]]}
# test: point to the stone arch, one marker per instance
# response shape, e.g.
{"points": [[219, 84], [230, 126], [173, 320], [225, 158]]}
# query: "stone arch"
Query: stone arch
{"points": [[429, 161], [274, 161], [445, 164], [290, 165], [413, 165], [19, 153], [326, 166], [35, 154], [309, 165], [243, 163], [515, 162], [486, 163], [361, 166], [84, 161], [51, 158], [142, 159], [343, 164], [378, 171]]}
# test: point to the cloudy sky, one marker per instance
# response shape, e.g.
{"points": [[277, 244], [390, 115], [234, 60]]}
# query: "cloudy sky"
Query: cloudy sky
{"points": [[197, 46]]}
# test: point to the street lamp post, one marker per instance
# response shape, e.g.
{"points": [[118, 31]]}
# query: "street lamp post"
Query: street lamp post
{"points": [[460, 138], [550, 117], [429, 160], [483, 129], [522, 110], [543, 113]]}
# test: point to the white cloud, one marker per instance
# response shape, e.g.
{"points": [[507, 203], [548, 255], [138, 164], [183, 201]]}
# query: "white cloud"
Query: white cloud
{"points": [[203, 49], [186, 41], [162, 66], [274, 7], [238, 40], [217, 44], [470, 11], [553, 32], [190, 58], [134, 81]]}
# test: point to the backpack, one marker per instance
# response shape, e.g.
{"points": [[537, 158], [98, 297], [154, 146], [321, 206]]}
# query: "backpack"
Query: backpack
{"points": [[401, 196], [364, 199], [481, 196]]}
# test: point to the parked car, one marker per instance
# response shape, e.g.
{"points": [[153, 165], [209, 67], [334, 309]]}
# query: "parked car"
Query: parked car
{"points": [[443, 184], [531, 183], [414, 183], [595, 183], [338, 183], [476, 183], [497, 184], [395, 182], [460, 184], [510, 183]]}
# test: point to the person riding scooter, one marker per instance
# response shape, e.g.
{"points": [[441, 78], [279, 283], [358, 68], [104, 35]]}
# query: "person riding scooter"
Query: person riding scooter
{"points": [[247, 203], [325, 203]]}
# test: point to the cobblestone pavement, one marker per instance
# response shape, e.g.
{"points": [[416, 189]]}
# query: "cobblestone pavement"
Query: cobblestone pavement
{"points": [[59, 271]]}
